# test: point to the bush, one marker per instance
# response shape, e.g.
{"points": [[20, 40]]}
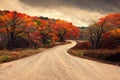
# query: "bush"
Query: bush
{"points": [[4, 58], [106, 55], [109, 43], [82, 45]]}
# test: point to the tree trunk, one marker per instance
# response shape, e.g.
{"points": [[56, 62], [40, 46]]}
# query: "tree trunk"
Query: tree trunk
{"points": [[11, 41], [62, 36], [44, 39], [62, 39]]}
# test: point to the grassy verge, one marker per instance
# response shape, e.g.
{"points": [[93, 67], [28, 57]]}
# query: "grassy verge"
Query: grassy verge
{"points": [[104, 57], [7, 56], [111, 56]]}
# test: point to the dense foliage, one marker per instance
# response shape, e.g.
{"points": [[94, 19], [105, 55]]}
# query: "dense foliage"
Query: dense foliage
{"points": [[20, 30], [105, 33]]}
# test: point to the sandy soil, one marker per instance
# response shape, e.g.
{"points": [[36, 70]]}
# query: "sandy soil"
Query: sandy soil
{"points": [[57, 64]]}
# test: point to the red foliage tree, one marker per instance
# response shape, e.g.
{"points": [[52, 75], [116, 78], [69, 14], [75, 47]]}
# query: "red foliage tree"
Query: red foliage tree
{"points": [[34, 29], [101, 29], [65, 30], [14, 25]]}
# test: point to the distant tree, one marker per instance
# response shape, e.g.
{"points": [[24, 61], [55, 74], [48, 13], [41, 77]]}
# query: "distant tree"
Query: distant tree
{"points": [[84, 33]]}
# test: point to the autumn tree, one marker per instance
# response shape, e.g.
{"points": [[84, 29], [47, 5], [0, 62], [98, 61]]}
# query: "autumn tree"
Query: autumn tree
{"points": [[64, 30], [114, 23], [34, 30], [113, 20], [95, 34], [101, 27], [115, 33], [45, 30], [30, 32], [13, 23]]}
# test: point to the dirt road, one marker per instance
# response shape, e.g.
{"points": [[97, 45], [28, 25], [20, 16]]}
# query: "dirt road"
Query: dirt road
{"points": [[57, 64]]}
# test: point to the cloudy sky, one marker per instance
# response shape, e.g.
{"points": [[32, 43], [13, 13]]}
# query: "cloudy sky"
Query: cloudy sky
{"points": [[79, 12]]}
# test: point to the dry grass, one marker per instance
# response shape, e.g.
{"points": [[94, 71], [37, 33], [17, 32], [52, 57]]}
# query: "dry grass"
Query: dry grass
{"points": [[107, 56], [6, 56], [111, 56]]}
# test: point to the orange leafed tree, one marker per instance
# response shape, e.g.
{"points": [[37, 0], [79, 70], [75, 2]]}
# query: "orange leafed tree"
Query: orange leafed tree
{"points": [[14, 25], [44, 30], [65, 30], [111, 20], [102, 29], [34, 30], [112, 23]]}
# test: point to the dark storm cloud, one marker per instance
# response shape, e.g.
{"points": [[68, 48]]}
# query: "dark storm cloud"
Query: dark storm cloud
{"points": [[95, 5]]}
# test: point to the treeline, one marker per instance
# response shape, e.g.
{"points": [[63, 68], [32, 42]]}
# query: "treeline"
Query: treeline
{"points": [[18, 30]]}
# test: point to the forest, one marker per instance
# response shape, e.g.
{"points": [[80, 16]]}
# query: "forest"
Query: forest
{"points": [[19, 30]]}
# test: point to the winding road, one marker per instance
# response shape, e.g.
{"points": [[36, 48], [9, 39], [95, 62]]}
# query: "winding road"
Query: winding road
{"points": [[56, 64]]}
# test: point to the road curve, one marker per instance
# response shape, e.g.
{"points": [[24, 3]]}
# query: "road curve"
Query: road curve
{"points": [[57, 64]]}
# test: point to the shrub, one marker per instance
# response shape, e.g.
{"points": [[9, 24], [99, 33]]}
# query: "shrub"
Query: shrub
{"points": [[106, 55], [109, 43], [4, 58], [82, 45]]}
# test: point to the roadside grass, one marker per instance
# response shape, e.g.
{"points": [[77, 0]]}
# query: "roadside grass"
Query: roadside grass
{"points": [[4, 58], [78, 53], [111, 56], [7, 56]]}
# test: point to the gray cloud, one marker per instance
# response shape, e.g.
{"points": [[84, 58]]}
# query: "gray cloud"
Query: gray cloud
{"points": [[94, 5], [79, 12]]}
